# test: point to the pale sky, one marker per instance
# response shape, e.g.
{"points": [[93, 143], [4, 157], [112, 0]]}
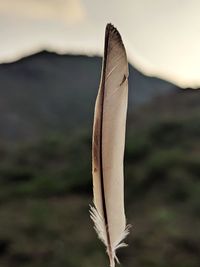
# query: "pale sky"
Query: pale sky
{"points": [[162, 37]]}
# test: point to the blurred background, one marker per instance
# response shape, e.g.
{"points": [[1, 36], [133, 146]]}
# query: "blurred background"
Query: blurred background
{"points": [[50, 62]]}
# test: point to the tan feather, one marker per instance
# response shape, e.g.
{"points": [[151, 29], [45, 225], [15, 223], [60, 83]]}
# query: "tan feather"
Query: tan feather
{"points": [[108, 146]]}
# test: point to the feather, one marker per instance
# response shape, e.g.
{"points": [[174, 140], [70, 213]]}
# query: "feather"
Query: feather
{"points": [[108, 146]]}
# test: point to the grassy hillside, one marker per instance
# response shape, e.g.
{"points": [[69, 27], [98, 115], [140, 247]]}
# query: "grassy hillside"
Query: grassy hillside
{"points": [[46, 189]]}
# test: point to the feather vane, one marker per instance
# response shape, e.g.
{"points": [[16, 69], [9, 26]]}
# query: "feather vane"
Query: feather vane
{"points": [[108, 146]]}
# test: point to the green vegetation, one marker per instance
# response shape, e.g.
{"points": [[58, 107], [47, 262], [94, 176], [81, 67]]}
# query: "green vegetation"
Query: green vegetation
{"points": [[46, 189]]}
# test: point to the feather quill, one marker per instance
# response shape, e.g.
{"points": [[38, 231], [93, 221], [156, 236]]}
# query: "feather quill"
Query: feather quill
{"points": [[108, 146]]}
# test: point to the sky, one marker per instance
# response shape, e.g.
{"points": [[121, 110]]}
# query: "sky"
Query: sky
{"points": [[162, 37]]}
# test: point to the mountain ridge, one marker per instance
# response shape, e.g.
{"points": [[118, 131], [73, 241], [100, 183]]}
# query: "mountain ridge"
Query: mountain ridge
{"points": [[47, 91]]}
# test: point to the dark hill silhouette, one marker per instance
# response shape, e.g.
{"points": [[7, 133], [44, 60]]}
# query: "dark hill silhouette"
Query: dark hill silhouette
{"points": [[50, 92]]}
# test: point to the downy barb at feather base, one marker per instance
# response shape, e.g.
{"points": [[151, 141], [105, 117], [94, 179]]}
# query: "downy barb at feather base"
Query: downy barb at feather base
{"points": [[108, 146]]}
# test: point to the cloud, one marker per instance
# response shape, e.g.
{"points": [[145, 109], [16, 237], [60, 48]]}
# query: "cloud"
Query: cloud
{"points": [[66, 11]]}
